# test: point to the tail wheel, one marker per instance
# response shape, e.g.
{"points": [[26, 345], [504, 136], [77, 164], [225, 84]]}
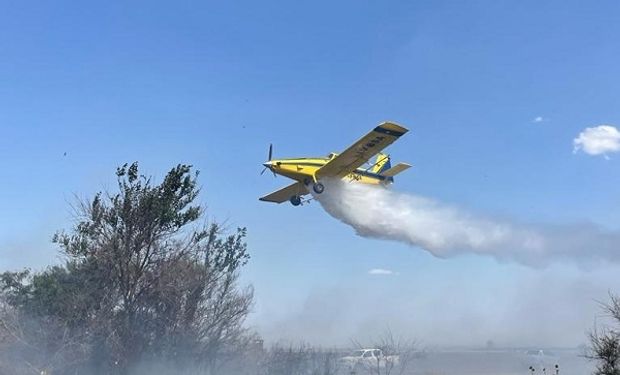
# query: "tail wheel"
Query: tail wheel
{"points": [[318, 188], [295, 200]]}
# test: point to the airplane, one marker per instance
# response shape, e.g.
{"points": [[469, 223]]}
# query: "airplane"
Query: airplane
{"points": [[348, 165]]}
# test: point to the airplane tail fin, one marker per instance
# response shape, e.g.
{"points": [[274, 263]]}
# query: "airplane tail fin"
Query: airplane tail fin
{"points": [[382, 163]]}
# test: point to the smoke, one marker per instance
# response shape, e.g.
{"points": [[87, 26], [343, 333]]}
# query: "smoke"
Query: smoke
{"points": [[551, 307], [446, 231]]}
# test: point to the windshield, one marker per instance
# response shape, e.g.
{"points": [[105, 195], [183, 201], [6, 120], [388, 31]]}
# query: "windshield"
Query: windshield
{"points": [[356, 353]]}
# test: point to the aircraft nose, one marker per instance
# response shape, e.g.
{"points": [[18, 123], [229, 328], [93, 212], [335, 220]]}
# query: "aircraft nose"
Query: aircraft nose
{"points": [[267, 164]]}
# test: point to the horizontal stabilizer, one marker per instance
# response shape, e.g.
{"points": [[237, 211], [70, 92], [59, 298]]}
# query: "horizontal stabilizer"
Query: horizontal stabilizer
{"points": [[396, 169]]}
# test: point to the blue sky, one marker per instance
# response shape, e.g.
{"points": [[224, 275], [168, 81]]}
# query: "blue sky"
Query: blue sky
{"points": [[213, 83]]}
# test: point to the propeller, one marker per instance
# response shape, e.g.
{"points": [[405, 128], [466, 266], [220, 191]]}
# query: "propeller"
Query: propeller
{"points": [[269, 159], [264, 169]]}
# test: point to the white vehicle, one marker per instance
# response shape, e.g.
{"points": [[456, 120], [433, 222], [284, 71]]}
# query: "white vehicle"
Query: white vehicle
{"points": [[368, 359]]}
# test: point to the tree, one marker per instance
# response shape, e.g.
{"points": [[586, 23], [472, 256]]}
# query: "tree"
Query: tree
{"points": [[299, 360], [35, 337], [605, 342], [143, 280]]}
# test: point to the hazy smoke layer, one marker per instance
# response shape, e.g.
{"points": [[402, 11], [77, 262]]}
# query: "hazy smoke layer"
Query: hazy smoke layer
{"points": [[445, 231]]}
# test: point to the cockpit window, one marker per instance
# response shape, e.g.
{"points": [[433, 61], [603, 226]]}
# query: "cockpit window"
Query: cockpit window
{"points": [[357, 353]]}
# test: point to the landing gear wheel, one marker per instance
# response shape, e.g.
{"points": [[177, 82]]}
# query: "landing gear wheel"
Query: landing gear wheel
{"points": [[295, 200], [318, 188]]}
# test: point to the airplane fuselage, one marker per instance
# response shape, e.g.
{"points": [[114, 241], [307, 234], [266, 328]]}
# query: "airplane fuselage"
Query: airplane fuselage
{"points": [[304, 169]]}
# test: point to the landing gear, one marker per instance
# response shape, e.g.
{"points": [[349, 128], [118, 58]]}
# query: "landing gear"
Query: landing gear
{"points": [[295, 200], [318, 188]]}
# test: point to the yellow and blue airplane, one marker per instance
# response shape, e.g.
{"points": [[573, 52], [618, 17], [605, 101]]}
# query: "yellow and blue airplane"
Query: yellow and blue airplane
{"points": [[348, 165]]}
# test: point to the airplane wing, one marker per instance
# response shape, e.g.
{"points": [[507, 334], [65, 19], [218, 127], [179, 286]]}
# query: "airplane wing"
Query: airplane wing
{"points": [[362, 150], [285, 193]]}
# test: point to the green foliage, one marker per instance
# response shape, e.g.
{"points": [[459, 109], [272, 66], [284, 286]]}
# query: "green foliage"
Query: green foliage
{"points": [[143, 279], [15, 287], [138, 215], [65, 292]]}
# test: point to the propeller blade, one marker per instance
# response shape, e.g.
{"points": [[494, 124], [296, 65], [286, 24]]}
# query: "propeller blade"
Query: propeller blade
{"points": [[263, 171], [270, 151]]}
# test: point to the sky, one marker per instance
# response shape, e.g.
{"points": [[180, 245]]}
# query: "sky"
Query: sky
{"points": [[512, 109]]}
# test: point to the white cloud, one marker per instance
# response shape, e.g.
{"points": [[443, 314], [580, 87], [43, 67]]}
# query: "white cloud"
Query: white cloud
{"points": [[538, 119], [381, 271], [598, 140]]}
